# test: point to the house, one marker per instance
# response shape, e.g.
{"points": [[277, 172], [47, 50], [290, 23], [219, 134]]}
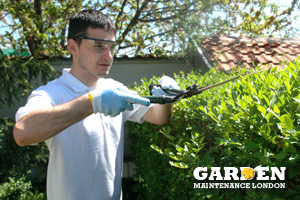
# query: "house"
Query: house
{"points": [[227, 53]]}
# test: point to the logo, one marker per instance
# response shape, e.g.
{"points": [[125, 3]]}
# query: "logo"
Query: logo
{"points": [[247, 175]]}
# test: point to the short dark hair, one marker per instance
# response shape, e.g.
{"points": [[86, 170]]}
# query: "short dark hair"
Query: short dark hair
{"points": [[90, 18]]}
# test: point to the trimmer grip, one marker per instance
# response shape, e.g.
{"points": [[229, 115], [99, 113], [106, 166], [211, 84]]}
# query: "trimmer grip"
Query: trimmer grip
{"points": [[160, 99]]}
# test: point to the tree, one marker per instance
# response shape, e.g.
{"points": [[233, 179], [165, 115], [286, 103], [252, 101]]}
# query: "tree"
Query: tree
{"points": [[144, 26], [40, 24]]}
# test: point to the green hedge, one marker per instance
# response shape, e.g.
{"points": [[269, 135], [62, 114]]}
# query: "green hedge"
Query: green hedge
{"points": [[253, 121], [22, 169]]}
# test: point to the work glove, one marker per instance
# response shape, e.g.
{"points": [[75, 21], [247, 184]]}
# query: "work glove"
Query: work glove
{"points": [[113, 101], [166, 82]]}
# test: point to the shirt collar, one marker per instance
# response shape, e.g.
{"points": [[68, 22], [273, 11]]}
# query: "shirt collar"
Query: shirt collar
{"points": [[70, 80]]}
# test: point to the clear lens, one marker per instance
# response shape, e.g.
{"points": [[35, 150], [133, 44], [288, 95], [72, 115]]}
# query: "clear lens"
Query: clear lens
{"points": [[101, 47]]}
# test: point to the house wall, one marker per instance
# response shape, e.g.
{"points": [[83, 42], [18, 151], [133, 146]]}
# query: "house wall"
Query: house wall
{"points": [[130, 71]]}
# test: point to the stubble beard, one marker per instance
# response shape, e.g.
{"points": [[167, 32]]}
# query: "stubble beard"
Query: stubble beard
{"points": [[101, 74]]}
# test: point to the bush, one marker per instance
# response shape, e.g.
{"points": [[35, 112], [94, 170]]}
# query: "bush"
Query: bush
{"points": [[18, 189], [22, 169], [17, 77], [253, 121]]}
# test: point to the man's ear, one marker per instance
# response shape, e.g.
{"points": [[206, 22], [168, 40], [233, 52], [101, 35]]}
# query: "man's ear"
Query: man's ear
{"points": [[72, 47]]}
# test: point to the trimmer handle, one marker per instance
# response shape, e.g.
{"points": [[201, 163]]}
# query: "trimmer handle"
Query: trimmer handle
{"points": [[160, 99]]}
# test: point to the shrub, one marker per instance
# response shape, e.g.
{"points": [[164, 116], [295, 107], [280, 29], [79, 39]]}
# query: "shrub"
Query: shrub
{"points": [[21, 168], [18, 189], [21, 165], [18, 76], [253, 121]]}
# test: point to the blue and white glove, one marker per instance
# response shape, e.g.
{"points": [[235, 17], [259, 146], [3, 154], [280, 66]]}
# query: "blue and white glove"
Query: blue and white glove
{"points": [[113, 101], [166, 82]]}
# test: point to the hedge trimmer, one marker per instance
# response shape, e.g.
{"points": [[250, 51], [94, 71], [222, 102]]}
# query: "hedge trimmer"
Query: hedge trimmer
{"points": [[177, 94]]}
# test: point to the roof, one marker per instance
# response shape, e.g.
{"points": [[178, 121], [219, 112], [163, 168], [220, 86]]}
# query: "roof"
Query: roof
{"points": [[227, 53], [10, 52]]}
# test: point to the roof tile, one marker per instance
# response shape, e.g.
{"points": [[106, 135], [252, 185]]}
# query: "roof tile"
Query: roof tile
{"points": [[226, 57], [228, 52]]}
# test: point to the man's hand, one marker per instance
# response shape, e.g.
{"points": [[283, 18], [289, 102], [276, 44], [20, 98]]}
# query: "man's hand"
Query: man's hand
{"points": [[166, 82], [160, 114], [113, 101]]}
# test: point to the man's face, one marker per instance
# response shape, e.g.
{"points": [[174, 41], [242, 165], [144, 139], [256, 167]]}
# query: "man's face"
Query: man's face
{"points": [[95, 57]]}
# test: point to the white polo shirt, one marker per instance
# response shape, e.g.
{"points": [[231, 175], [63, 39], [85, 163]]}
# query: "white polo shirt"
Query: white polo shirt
{"points": [[85, 159]]}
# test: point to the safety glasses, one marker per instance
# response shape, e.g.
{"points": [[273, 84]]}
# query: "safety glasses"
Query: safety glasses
{"points": [[99, 45]]}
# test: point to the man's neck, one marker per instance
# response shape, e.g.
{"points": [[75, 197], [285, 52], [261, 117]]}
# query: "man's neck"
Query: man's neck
{"points": [[85, 78]]}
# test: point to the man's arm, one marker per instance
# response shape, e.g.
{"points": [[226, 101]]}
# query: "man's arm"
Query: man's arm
{"points": [[39, 125], [159, 114]]}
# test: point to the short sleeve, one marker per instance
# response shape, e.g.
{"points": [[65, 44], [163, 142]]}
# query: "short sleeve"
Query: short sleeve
{"points": [[38, 99], [137, 113]]}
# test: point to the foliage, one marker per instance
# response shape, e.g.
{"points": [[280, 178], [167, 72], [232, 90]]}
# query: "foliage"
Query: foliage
{"points": [[17, 76], [40, 25], [253, 121], [155, 27], [18, 189], [21, 168], [17, 160]]}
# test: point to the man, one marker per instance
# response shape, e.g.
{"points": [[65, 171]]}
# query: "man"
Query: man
{"points": [[81, 115]]}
